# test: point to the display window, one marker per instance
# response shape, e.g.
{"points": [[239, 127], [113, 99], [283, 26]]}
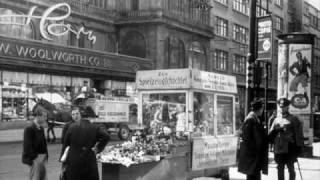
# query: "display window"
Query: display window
{"points": [[165, 113], [225, 113], [203, 116]]}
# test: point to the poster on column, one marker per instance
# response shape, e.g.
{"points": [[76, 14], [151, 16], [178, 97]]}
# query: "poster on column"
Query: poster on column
{"points": [[299, 78]]}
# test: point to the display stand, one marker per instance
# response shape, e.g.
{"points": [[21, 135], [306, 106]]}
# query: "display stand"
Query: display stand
{"points": [[188, 104]]}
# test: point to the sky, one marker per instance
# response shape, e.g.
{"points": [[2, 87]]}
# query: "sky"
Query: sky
{"points": [[315, 3]]}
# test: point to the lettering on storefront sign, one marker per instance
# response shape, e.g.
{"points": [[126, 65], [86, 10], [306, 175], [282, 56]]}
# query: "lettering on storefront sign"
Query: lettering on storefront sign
{"points": [[38, 53], [212, 152], [46, 25], [214, 81], [163, 79]]}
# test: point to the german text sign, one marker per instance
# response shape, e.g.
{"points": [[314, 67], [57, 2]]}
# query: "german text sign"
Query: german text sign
{"points": [[212, 152], [265, 38]]}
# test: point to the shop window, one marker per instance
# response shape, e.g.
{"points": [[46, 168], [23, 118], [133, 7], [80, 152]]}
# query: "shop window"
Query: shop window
{"points": [[14, 26], [203, 105], [224, 115], [165, 113], [176, 53], [197, 56], [133, 44]]}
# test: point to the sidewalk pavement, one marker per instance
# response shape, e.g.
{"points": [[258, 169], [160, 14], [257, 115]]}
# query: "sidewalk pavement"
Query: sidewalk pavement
{"points": [[16, 135], [310, 167]]}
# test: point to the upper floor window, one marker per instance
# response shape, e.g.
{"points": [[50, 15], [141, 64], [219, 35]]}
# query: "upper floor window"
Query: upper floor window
{"points": [[240, 33], [241, 6], [278, 24], [133, 44], [197, 56], [176, 57], [14, 26], [314, 20], [223, 1], [134, 5], [220, 60], [239, 64], [279, 3], [221, 27], [261, 11]]}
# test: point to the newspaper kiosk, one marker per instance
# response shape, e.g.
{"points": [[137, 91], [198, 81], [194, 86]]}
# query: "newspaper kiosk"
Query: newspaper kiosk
{"points": [[197, 110]]}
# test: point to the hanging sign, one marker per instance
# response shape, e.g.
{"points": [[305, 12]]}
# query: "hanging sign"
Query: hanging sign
{"points": [[264, 38], [49, 25]]}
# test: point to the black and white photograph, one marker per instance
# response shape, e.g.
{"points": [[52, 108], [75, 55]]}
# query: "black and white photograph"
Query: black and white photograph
{"points": [[159, 89]]}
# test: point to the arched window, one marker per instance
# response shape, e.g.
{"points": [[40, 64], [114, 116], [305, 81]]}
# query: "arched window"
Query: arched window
{"points": [[14, 26], [133, 44], [176, 53], [197, 56]]}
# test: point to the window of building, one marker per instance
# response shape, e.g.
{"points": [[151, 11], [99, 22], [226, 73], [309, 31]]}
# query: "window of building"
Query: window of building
{"points": [[176, 53], [197, 56], [222, 1], [241, 6], [15, 26], [278, 23], [135, 5], [313, 21], [133, 44], [261, 11], [221, 27], [279, 3], [220, 60], [240, 33], [239, 64]]}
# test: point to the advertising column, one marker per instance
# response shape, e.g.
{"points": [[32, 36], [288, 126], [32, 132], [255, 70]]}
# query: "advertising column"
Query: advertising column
{"points": [[294, 77]]}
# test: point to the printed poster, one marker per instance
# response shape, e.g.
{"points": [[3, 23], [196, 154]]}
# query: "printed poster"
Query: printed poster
{"points": [[299, 78]]}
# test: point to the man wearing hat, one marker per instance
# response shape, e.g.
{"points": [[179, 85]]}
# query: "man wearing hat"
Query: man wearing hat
{"points": [[287, 137], [253, 152]]}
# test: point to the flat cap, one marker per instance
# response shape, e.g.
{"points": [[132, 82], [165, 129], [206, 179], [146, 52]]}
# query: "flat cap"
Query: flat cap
{"points": [[283, 102]]}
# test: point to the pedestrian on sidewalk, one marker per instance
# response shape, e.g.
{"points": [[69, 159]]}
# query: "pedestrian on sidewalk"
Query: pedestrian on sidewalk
{"points": [[253, 153], [287, 137], [35, 151], [85, 140]]}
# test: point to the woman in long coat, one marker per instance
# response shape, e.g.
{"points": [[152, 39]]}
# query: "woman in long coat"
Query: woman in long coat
{"points": [[253, 153], [85, 140]]}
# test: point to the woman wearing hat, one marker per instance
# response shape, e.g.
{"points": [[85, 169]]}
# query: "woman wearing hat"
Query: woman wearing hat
{"points": [[286, 135], [253, 153]]}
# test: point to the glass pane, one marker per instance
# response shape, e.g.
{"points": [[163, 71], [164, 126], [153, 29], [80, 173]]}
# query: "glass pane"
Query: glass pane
{"points": [[165, 113], [14, 102], [203, 114], [224, 115]]}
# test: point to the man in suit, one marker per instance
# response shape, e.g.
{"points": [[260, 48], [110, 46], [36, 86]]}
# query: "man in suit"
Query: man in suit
{"points": [[85, 141], [35, 151]]}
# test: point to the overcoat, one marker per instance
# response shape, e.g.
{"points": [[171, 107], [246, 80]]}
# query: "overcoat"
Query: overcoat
{"points": [[253, 153], [81, 163]]}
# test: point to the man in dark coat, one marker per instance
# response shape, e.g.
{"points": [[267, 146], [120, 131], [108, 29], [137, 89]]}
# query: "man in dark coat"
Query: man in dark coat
{"points": [[287, 137], [85, 140], [35, 151], [253, 153]]}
